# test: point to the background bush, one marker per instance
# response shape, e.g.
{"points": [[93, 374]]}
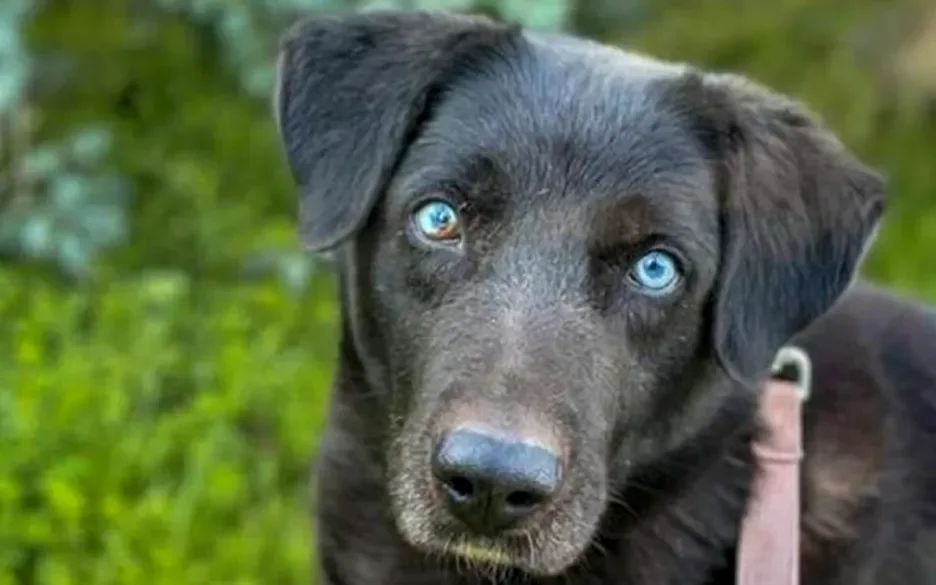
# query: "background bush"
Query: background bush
{"points": [[164, 347]]}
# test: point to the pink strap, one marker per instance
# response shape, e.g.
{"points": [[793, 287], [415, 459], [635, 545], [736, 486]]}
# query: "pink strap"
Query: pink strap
{"points": [[770, 532]]}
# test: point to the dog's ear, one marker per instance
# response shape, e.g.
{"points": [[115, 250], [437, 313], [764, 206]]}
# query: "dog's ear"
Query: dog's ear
{"points": [[350, 93], [799, 213]]}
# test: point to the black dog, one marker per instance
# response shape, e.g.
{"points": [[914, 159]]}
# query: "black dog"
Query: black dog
{"points": [[564, 271]]}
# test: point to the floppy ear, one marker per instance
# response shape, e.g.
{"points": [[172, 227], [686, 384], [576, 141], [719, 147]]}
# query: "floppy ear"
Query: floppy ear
{"points": [[350, 93], [799, 214]]}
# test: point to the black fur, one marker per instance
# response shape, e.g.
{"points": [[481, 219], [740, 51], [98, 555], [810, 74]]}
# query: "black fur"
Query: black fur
{"points": [[566, 160]]}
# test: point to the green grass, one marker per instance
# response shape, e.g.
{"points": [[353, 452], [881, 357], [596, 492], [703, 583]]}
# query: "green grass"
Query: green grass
{"points": [[155, 433]]}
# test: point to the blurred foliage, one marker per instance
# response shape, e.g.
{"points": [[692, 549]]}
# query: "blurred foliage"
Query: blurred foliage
{"points": [[57, 201], [155, 432], [159, 406]]}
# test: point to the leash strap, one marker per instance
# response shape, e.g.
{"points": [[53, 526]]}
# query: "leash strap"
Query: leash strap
{"points": [[769, 549]]}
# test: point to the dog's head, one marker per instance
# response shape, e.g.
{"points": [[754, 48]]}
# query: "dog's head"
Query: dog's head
{"points": [[556, 257]]}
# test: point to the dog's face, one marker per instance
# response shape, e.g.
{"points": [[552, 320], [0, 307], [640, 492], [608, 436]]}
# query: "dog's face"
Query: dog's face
{"points": [[555, 258]]}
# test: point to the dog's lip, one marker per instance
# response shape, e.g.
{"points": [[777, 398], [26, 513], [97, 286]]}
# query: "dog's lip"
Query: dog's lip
{"points": [[482, 553], [499, 554]]}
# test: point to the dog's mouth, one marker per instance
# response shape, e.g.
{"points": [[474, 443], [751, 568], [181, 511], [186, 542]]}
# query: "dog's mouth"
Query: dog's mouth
{"points": [[541, 551], [485, 556]]}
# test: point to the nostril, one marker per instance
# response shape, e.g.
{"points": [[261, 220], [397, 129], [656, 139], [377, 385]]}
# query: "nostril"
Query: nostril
{"points": [[460, 487], [524, 499]]}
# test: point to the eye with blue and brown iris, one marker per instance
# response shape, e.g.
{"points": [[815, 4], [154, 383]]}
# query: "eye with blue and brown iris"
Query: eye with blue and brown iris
{"points": [[437, 222]]}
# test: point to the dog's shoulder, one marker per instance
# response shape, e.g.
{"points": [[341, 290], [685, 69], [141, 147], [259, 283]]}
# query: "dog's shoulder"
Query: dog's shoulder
{"points": [[878, 340], [870, 431]]}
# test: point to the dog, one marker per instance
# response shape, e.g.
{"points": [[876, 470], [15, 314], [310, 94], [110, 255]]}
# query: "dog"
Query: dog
{"points": [[564, 272]]}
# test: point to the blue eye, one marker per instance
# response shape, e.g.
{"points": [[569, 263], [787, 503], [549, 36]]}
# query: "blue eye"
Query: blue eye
{"points": [[655, 273], [437, 221]]}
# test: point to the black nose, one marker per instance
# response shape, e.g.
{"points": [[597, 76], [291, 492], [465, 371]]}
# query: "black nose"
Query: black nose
{"points": [[490, 483]]}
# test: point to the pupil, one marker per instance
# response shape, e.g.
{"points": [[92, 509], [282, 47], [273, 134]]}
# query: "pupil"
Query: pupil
{"points": [[441, 217]]}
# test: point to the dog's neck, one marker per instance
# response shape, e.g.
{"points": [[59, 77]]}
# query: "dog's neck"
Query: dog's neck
{"points": [[678, 514]]}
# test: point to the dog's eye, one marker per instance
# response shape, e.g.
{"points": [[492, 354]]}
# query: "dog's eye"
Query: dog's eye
{"points": [[656, 273], [437, 222]]}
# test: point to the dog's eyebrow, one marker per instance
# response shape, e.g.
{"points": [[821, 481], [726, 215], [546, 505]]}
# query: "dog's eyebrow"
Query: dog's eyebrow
{"points": [[478, 180], [677, 215]]}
